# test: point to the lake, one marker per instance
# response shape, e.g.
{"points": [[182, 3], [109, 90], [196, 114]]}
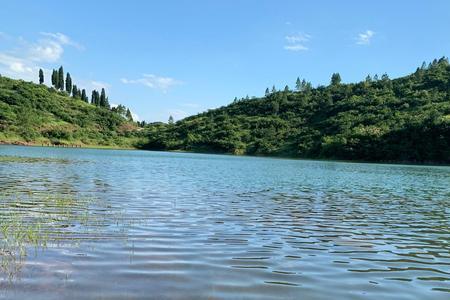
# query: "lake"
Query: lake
{"points": [[107, 224]]}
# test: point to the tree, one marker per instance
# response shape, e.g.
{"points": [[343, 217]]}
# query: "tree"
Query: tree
{"points": [[60, 78], [83, 96], [267, 92], [55, 78], [275, 107], [120, 109], [95, 98], [41, 76], [298, 84], [171, 121], [335, 79], [102, 102], [274, 90], [68, 83], [129, 116], [286, 89], [74, 91]]}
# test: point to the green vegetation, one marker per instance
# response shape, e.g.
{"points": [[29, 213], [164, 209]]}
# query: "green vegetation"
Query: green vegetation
{"points": [[378, 119], [36, 114]]}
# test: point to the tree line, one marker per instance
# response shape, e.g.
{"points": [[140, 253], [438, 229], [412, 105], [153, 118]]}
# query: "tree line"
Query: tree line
{"points": [[375, 119], [99, 99]]}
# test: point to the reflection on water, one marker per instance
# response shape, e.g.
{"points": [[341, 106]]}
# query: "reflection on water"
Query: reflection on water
{"points": [[79, 223]]}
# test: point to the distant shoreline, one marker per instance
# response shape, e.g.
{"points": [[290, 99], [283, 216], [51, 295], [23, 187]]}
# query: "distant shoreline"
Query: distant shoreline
{"points": [[69, 146], [100, 147]]}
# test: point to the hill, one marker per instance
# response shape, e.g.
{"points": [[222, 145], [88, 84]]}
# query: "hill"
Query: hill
{"points": [[378, 119], [36, 114]]}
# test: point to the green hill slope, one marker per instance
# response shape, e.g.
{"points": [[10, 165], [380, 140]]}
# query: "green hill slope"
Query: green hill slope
{"points": [[36, 114], [379, 119]]}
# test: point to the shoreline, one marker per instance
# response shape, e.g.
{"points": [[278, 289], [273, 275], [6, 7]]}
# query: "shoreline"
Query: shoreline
{"points": [[69, 146], [108, 147]]}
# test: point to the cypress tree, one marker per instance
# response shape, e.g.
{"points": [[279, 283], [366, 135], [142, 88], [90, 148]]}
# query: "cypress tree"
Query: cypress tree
{"points": [[93, 97], [41, 76], [61, 78], [68, 83], [54, 79], [83, 96], [74, 91], [103, 98]]}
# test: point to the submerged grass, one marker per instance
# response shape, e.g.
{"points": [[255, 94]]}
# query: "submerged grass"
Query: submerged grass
{"points": [[38, 220], [30, 160]]}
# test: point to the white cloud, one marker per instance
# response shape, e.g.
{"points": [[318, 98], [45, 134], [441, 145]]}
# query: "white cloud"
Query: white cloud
{"points": [[297, 47], [177, 114], [135, 116], [17, 67], [62, 39], [297, 42], [46, 51], [297, 38], [25, 58], [154, 82], [99, 85], [365, 37]]}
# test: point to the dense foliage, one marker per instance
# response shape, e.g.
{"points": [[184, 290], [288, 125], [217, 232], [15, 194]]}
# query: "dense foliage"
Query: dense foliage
{"points": [[38, 114], [378, 119]]}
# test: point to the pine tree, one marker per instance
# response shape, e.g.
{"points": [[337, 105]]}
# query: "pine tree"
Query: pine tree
{"points": [[41, 76], [274, 90], [68, 83], [61, 78], [267, 92], [286, 89], [171, 121], [298, 84]]}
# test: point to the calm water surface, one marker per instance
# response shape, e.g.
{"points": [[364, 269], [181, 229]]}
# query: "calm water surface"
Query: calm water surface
{"points": [[103, 224]]}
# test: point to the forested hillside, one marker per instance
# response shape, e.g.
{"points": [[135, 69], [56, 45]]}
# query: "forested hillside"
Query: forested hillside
{"points": [[378, 119], [61, 115]]}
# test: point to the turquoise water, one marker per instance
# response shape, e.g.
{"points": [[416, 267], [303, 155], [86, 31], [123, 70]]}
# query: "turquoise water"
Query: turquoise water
{"points": [[105, 224]]}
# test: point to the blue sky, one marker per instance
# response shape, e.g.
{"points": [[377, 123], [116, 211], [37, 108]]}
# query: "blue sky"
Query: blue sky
{"points": [[178, 58]]}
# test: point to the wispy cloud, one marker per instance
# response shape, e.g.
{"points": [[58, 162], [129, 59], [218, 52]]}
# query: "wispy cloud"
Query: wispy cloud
{"points": [[25, 58], [98, 84], [297, 42], [365, 38], [153, 81], [62, 39], [177, 114], [297, 47]]}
